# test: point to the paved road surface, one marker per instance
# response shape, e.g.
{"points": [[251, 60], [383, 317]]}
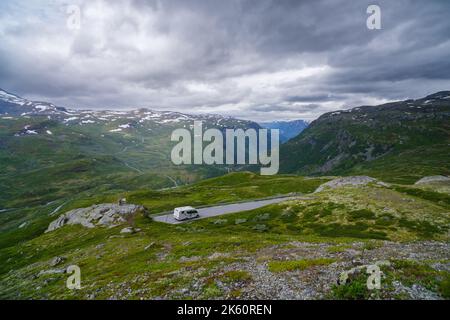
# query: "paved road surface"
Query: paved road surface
{"points": [[223, 209]]}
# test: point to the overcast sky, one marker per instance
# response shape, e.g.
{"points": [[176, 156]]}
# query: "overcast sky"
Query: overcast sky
{"points": [[259, 60]]}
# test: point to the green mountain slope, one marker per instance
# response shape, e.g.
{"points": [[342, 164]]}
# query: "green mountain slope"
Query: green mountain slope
{"points": [[398, 142], [243, 254], [51, 156]]}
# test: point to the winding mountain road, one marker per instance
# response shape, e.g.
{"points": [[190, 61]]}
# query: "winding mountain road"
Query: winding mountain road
{"points": [[223, 209]]}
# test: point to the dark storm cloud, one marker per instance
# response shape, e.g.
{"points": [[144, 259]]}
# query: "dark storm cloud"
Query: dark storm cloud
{"points": [[253, 59], [319, 97]]}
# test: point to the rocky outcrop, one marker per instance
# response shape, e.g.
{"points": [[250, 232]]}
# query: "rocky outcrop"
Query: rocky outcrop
{"points": [[347, 181], [431, 179], [130, 230], [107, 214], [56, 261]]}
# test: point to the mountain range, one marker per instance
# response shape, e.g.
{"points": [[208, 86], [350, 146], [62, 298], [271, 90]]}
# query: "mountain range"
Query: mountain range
{"points": [[288, 129], [366, 139], [57, 161]]}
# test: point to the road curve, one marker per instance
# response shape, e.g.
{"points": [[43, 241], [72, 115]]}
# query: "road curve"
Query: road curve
{"points": [[222, 209]]}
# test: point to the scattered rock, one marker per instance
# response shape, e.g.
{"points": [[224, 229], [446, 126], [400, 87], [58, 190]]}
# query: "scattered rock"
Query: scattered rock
{"points": [[56, 261], [346, 181], [415, 292], [220, 221], [439, 266], [127, 230], [218, 255], [430, 179], [260, 227], [261, 217], [239, 221], [108, 214], [189, 259], [22, 225], [114, 237], [51, 271]]}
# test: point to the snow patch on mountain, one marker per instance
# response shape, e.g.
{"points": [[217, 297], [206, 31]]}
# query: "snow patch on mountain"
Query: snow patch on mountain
{"points": [[15, 106]]}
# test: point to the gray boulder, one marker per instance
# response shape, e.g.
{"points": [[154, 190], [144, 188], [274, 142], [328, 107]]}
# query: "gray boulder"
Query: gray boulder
{"points": [[56, 261], [129, 230], [51, 271], [430, 179], [348, 181], [107, 214]]}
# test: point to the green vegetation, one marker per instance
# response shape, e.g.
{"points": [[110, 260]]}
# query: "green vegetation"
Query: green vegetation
{"points": [[371, 245], [233, 187], [404, 272], [355, 290], [283, 266], [162, 259], [230, 188], [80, 163], [411, 272], [235, 276], [339, 214], [212, 291], [442, 199], [444, 287], [77, 166], [395, 143]]}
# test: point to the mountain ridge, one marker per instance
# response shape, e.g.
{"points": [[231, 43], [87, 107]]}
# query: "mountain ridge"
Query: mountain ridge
{"points": [[12, 105], [414, 134]]}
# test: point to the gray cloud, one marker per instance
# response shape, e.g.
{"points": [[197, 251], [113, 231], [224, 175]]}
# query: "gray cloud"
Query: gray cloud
{"points": [[255, 59], [317, 97]]}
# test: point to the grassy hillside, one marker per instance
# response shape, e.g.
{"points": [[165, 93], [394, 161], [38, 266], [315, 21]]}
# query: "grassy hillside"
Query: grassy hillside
{"points": [[229, 188], [397, 142], [50, 162], [296, 249], [236, 255]]}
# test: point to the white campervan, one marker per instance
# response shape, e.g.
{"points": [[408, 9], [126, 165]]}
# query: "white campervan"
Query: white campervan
{"points": [[184, 213]]}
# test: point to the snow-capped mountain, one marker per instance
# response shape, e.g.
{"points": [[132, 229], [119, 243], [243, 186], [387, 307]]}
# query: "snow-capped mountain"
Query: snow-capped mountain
{"points": [[11, 98], [13, 106], [94, 148]]}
